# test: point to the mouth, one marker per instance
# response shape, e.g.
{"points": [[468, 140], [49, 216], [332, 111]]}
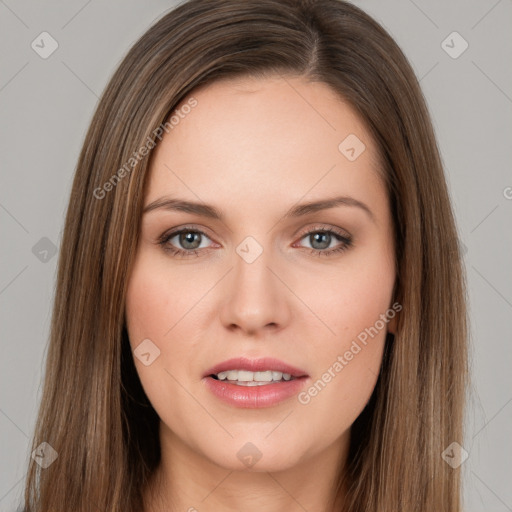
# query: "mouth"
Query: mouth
{"points": [[243, 370], [252, 383], [248, 378]]}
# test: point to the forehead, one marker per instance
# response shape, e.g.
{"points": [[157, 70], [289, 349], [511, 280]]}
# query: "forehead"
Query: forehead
{"points": [[251, 109], [258, 137]]}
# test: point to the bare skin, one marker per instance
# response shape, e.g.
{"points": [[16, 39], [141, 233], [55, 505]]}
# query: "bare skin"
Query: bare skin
{"points": [[253, 149]]}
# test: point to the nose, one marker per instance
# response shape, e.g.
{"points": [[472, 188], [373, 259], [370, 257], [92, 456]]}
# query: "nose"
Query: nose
{"points": [[256, 300]]}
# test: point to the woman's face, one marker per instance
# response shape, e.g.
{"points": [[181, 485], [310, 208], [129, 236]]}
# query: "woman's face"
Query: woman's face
{"points": [[294, 293]]}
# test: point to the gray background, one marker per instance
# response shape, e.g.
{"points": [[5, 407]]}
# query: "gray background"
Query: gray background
{"points": [[45, 108]]}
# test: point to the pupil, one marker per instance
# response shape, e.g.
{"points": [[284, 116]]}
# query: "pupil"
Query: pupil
{"points": [[317, 238], [187, 240]]}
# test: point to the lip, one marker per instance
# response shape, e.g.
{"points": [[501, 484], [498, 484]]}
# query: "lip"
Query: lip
{"points": [[256, 396], [256, 365]]}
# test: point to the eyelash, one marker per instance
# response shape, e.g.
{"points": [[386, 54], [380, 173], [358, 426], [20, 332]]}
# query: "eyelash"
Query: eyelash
{"points": [[182, 253]]}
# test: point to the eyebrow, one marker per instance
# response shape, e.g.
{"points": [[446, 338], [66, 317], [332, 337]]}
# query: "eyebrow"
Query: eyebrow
{"points": [[205, 210]]}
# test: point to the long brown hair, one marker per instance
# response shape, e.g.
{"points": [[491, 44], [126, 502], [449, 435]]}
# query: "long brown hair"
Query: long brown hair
{"points": [[94, 412]]}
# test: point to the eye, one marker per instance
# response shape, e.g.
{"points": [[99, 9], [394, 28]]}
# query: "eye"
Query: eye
{"points": [[187, 242], [322, 240]]}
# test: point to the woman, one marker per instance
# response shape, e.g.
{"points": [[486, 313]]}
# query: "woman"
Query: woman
{"points": [[203, 356]]}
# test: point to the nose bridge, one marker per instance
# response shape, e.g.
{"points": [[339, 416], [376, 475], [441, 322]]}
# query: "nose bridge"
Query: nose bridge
{"points": [[251, 268], [251, 274], [255, 297]]}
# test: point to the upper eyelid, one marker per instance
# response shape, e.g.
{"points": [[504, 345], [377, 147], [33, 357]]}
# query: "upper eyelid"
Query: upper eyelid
{"points": [[173, 232], [338, 231]]}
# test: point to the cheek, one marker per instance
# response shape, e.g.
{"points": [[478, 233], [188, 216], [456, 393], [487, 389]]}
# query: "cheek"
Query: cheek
{"points": [[338, 394], [348, 362], [350, 297], [157, 299], [160, 306], [355, 304], [152, 310], [145, 302], [148, 317]]}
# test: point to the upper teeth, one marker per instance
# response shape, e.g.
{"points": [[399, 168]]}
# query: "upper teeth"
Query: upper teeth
{"points": [[246, 376]]}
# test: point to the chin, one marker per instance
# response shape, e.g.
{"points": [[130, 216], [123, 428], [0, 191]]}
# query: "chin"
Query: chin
{"points": [[257, 454]]}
